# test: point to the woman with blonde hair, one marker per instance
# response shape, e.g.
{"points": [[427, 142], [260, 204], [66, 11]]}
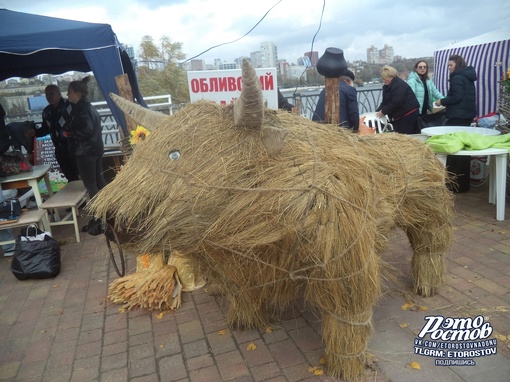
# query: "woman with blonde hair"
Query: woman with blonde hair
{"points": [[399, 102]]}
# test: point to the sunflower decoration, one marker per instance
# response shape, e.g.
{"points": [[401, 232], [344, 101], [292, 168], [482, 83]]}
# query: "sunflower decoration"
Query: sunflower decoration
{"points": [[138, 135]]}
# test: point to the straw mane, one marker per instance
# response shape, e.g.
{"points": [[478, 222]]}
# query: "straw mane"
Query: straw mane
{"points": [[312, 213]]}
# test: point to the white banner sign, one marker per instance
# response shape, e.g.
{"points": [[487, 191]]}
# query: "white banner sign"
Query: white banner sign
{"points": [[224, 86]]}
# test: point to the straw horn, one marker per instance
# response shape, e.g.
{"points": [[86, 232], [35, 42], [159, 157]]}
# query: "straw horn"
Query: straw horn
{"points": [[249, 107], [141, 115]]}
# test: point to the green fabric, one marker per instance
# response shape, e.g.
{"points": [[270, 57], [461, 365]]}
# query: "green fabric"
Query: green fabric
{"points": [[451, 143]]}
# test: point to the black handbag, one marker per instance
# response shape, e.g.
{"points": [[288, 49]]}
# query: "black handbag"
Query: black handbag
{"points": [[36, 255], [434, 119], [10, 209]]}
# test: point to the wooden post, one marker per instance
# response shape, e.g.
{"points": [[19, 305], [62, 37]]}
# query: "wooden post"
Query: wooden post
{"points": [[332, 102], [125, 91], [331, 65]]}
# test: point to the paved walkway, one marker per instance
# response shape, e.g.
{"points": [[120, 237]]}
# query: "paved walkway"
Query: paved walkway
{"points": [[63, 329]]}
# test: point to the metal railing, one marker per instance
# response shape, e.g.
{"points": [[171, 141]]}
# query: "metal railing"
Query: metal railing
{"points": [[369, 98]]}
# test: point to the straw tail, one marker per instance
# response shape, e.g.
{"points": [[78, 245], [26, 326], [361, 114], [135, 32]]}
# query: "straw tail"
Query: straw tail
{"points": [[141, 115], [249, 107]]}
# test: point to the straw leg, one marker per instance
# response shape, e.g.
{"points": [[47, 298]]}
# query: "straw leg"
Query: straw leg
{"points": [[428, 263], [346, 297], [346, 343], [246, 311]]}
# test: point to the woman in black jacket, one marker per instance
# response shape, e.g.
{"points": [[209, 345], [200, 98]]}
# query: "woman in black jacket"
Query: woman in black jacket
{"points": [[460, 102], [85, 137], [399, 103]]}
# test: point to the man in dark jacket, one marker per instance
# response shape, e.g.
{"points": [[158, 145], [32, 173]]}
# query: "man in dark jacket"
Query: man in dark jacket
{"points": [[348, 97], [54, 117], [399, 102], [460, 102]]}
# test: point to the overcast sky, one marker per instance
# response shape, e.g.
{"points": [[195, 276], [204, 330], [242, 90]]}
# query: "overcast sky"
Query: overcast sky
{"points": [[413, 28]]}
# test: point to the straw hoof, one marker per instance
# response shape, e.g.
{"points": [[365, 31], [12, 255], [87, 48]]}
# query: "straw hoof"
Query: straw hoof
{"points": [[426, 291]]}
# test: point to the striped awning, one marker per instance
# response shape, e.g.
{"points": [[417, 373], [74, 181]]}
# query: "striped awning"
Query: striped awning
{"points": [[489, 54]]}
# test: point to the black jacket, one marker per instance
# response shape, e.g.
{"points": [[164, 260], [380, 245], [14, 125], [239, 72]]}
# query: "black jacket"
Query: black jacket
{"points": [[460, 102], [84, 130], [53, 121], [349, 109], [398, 99], [283, 103]]}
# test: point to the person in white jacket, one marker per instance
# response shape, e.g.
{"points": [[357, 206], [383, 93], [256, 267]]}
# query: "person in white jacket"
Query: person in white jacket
{"points": [[423, 87]]}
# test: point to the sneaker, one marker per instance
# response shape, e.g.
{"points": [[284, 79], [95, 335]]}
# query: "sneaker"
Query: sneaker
{"points": [[9, 253]]}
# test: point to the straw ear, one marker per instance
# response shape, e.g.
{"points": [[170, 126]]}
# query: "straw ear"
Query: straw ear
{"points": [[249, 107], [273, 139]]}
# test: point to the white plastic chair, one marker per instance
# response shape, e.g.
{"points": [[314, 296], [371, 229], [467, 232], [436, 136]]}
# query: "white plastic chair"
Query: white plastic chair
{"points": [[381, 124]]}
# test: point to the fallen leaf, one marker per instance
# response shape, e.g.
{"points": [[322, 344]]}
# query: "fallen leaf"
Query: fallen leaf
{"points": [[222, 332], [322, 361], [406, 306], [311, 369], [161, 346], [160, 315], [122, 310], [423, 308], [415, 365], [268, 330], [251, 346], [318, 372], [55, 286], [404, 325]]}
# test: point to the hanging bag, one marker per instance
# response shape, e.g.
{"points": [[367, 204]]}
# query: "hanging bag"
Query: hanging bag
{"points": [[36, 255], [10, 210]]}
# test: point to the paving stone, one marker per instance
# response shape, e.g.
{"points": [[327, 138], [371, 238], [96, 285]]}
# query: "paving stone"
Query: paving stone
{"points": [[172, 368], [140, 367], [231, 365], [286, 353], [200, 362]]}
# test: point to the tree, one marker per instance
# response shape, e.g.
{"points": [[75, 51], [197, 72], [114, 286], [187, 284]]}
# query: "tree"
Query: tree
{"points": [[160, 72], [149, 53]]}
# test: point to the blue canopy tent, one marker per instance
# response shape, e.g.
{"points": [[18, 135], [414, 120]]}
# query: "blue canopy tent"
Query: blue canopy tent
{"points": [[33, 44]]}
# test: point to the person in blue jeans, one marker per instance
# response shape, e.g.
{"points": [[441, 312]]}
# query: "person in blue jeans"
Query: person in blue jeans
{"points": [[6, 234]]}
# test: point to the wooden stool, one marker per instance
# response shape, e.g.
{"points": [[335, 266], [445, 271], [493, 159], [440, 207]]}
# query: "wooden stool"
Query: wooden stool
{"points": [[28, 217], [72, 195]]}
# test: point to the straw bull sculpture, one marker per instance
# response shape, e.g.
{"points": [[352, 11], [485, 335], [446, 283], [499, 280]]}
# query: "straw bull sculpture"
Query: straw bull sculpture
{"points": [[269, 205]]}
